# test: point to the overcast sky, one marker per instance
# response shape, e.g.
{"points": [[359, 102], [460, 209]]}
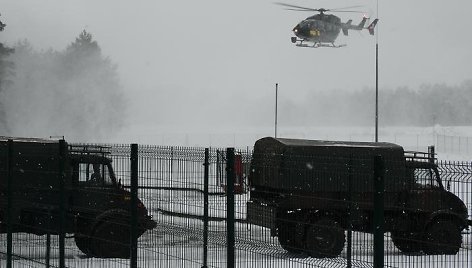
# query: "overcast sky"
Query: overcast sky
{"points": [[240, 49]]}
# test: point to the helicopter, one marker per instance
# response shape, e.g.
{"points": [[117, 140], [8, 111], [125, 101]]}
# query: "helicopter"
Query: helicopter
{"points": [[2, 25], [321, 30]]}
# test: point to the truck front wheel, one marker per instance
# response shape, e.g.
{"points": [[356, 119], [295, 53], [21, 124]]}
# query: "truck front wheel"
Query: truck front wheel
{"points": [[288, 233], [83, 243], [111, 236], [82, 235], [324, 238], [407, 242], [443, 237]]}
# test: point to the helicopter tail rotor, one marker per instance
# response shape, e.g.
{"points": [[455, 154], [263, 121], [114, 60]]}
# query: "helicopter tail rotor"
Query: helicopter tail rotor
{"points": [[372, 26]]}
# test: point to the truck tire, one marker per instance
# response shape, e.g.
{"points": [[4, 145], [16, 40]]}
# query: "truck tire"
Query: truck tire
{"points": [[287, 234], [407, 242], [111, 236], [443, 237], [324, 238], [82, 236], [83, 243]]}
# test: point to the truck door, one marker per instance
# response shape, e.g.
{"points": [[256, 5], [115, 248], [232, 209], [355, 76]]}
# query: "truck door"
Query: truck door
{"points": [[427, 194], [95, 189]]}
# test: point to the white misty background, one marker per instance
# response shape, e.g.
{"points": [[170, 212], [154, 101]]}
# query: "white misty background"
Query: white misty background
{"points": [[74, 93], [77, 93]]}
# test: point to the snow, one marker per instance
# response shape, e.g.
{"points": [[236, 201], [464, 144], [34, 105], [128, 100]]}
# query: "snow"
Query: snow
{"points": [[178, 241]]}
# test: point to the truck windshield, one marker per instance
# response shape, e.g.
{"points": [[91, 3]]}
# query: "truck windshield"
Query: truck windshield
{"points": [[426, 177]]}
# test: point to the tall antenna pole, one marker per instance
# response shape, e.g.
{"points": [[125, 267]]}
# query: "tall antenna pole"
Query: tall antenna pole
{"points": [[377, 80], [376, 92], [276, 93]]}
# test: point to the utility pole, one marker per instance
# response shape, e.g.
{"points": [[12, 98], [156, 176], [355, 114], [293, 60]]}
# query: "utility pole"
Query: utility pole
{"points": [[276, 93]]}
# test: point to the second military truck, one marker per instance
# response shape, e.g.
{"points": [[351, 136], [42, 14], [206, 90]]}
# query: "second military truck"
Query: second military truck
{"points": [[47, 177], [309, 192]]}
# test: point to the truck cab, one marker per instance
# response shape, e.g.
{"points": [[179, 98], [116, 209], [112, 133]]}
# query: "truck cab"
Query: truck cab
{"points": [[100, 204], [47, 176]]}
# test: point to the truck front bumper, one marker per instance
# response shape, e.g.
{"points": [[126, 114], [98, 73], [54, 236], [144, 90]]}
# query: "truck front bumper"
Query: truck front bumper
{"points": [[148, 223]]}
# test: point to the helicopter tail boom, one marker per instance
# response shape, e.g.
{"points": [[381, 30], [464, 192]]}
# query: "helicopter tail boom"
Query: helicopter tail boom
{"points": [[346, 27], [362, 23]]}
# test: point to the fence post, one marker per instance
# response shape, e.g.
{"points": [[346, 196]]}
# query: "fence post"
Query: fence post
{"points": [[230, 177], [431, 154], [205, 208], [48, 240], [62, 204], [9, 203], [378, 212], [349, 217], [134, 207]]}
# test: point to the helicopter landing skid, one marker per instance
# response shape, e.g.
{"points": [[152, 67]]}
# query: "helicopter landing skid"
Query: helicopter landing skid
{"points": [[317, 45]]}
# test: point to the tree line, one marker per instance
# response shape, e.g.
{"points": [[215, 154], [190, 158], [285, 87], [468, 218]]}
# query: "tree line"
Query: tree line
{"points": [[428, 105], [74, 92]]}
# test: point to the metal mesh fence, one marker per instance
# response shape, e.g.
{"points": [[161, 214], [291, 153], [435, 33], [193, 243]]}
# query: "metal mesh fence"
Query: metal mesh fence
{"points": [[426, 223], [288, 208], [454, 144]]}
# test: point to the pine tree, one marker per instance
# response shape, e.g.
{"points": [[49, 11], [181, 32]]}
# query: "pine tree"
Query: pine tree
{"points": [[74, 93], [6, 70]]}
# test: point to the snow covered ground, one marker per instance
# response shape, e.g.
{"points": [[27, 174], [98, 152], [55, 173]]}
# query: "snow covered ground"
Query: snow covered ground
{"points": [[452, 143], [178, 241]]}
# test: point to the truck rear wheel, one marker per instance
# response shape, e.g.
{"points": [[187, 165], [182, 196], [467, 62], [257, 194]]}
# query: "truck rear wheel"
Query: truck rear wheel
{"points": [[324, 238], [407, 242], [443, 237], [287, 233]]}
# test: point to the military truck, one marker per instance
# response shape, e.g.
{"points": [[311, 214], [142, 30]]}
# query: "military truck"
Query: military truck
{"points": [[97, 208], [309, 192]]}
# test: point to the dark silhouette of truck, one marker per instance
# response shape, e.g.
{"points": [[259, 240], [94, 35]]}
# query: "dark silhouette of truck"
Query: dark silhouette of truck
{"points": [[309, 192], [97, 208]]}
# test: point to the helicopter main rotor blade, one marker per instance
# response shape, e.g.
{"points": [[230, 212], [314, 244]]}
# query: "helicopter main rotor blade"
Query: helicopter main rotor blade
{"points": [[293, 9], [341, 8], [346, 11], [298, 8]]}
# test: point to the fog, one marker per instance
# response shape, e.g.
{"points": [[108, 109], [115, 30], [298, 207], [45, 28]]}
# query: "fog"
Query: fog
{"points": [[72, 93], [211, 65]]}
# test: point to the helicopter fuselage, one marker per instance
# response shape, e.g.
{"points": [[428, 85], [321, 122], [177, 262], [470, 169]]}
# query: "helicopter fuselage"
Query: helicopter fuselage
{"points": [[320, 28]]}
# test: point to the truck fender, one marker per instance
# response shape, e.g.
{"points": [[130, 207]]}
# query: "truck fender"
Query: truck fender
{"points": [[110, 214], [316, 214], [446, 214]]}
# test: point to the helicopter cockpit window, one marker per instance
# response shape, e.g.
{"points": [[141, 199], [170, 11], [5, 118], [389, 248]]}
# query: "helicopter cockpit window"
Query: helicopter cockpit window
{"points": [[426, 178]]}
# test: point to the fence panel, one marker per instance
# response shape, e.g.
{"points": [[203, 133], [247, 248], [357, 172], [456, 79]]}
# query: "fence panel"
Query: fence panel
{"points": [[454, 144], [301, 200], [327, 195], [35, 205]]}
